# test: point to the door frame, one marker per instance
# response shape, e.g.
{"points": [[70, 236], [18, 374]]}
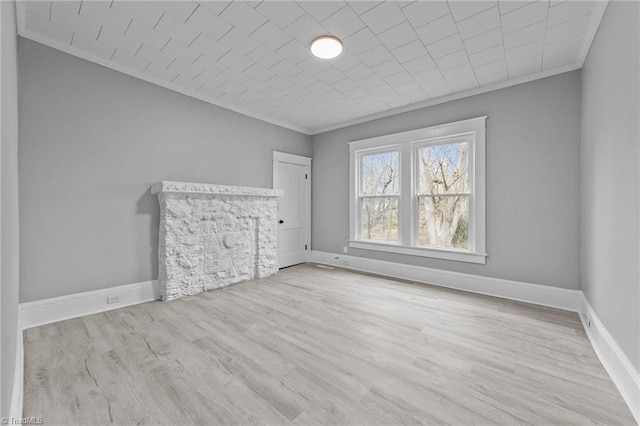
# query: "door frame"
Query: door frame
{"points": [[299, 160]]}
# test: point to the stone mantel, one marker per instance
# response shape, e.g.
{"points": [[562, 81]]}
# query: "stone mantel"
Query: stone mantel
{"points": [[167, 186], [212, 236]]}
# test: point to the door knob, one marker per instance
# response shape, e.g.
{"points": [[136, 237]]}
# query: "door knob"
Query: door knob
{"points": [[281, 221]]}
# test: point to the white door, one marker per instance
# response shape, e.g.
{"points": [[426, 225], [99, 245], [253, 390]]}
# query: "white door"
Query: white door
{"points": [[292, 174]]}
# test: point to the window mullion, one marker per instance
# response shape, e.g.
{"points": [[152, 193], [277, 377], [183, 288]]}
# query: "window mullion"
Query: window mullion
{"points": [[407, 202]]}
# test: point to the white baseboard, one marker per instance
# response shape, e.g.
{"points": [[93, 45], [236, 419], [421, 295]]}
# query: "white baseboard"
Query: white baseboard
{"points": [[56, 309], [622, 372], [15, 410], [515, 290]]}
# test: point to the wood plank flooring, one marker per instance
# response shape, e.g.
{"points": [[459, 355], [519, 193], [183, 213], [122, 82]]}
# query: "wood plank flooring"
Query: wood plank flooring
{"points": [[313, 346]]}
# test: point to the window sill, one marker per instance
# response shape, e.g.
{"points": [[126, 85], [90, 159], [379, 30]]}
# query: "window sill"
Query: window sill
{"points": [[457, 255]]}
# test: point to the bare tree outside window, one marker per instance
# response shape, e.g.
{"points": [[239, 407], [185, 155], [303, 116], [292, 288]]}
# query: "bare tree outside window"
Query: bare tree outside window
{"points": [[379, 196], [443, 195]]}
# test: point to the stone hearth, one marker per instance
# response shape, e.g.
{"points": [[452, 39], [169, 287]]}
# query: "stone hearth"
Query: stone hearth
{"points": [[212, 236]]}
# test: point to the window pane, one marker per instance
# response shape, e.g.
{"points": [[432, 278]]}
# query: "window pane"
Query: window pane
{"points": [[444, 169], [444, 221], [380, 219], [379, 174]]}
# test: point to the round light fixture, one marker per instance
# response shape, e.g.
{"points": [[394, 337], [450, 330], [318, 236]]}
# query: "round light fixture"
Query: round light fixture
{"points": [[326, 47]]}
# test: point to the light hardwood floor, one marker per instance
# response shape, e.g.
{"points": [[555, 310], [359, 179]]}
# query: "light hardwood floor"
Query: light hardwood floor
{"points": [[316, 346]]}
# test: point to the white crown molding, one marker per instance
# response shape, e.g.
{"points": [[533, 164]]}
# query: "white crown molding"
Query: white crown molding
{"points": [[536, 294], [592, 29], [61, 308], [622, 372], [167, 85], [449, 98]]}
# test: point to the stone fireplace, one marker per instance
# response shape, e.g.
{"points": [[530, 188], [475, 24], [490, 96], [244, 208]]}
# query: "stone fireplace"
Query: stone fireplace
{"points": [[212, 236]]}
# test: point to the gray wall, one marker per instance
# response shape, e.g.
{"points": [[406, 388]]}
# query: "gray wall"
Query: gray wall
{"points": [[610, 188], [92, 142], [9, 265], [533, 136]]}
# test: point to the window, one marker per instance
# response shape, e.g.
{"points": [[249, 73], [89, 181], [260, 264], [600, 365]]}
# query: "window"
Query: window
{"points": [[421, 192]]}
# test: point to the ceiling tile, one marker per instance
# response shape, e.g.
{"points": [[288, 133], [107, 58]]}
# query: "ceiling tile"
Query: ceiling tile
{"points": [[388, 68], [64, 17], [265, 57], [362, 6], [216, 7], [569, 11], [452, 60], [313, 65], [422, 12], [258, 73], [186, 70], [94, 47], [480, 23], [484, 41], [439, 29], [409, 51], [398, 36], [445, 46], [345, 61], [507, 6], [208, 23], [321, 10], [136, 63], [204, 44], [361, 41], [209, 64], [527, 15], [343, 23], [419, 64], [493, 78], [146, 35], [180, 10], [254, 55], [281, 13], [486, 56], [525, 51], [383, 16], [286, 69], [525, 35], [271, 36], [243, 17], [143, 12], [99, 11], [119, 41], [305, 29], [358, 72], [171, 27], [238, 41], [155, 56], [375, 56], [236, 61], [160, 73], [462, 10], [491, 68], [567, 30], [180, 51], [529, 65], [294, 51]]}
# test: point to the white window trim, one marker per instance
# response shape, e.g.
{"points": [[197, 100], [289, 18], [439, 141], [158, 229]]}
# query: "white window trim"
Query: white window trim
{"points": [[407, 143]]}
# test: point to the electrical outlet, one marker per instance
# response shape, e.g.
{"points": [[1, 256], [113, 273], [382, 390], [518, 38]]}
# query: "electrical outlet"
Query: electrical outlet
{"points": [[114, 299], [345, 249]]}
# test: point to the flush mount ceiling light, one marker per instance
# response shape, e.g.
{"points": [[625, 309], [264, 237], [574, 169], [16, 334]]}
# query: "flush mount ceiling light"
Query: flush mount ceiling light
{"points": [[326, 47]]}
